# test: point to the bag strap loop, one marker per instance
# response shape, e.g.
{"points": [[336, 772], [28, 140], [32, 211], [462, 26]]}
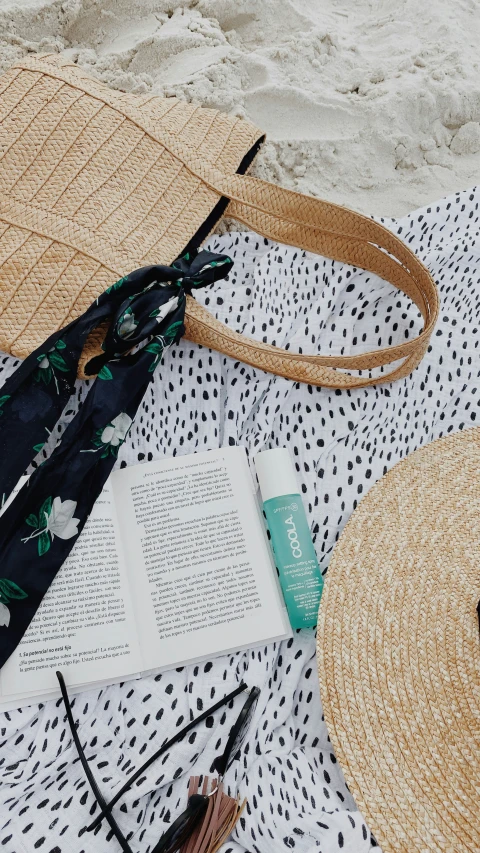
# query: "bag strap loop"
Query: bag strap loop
{"points": [[333, 232]]}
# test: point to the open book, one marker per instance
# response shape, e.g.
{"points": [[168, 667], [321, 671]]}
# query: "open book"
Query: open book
{"points": [[173, 566]]}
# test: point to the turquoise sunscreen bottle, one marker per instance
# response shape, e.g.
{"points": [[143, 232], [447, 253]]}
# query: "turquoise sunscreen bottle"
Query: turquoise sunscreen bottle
{"points": [[300, 576]]}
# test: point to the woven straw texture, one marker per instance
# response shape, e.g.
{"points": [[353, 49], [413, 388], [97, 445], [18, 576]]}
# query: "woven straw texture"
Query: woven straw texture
{"points": [[89, 191], [95, 183], [399, 651]]}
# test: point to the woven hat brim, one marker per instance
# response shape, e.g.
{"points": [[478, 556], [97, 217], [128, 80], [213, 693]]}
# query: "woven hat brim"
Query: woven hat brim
{"points": [[399, 651]]}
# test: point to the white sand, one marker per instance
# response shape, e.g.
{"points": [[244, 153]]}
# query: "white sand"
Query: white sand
{"points": [[370, 103]]}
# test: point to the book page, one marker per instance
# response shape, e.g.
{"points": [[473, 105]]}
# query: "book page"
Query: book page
{"points": [[201, 572], [85, 624]]}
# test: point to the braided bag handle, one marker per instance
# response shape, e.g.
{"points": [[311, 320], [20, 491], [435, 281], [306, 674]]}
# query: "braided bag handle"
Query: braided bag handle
{"points": [[337, 233]]}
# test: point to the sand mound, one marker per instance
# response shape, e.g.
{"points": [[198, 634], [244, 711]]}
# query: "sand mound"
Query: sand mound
{"points": [[371, 104]]}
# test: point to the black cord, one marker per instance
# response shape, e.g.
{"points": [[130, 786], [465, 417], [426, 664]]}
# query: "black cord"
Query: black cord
{"points": [[88, 773], [107, 807]]}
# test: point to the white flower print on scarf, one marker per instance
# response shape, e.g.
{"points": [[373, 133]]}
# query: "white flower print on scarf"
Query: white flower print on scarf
{"points": [[127, 325], [109, 438], [55, 518], [165, 310], [116, 431], [4, 615]]}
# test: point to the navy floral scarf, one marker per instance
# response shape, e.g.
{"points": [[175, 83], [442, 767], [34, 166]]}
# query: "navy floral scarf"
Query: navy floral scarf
{"points": [[41, 525]]}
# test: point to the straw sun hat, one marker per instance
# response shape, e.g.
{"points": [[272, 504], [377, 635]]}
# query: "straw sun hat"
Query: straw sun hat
{"points": [[399, 651], [95, 183]]}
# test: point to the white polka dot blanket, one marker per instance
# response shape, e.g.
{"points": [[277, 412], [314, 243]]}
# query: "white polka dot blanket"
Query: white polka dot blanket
{"points": [[342, 442]]}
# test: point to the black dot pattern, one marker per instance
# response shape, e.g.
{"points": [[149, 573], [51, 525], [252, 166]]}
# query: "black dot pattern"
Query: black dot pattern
{"points": [[341, 442]]}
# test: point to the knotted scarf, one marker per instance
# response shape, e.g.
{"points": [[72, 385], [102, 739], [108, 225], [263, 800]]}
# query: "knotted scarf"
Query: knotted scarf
{"points": [[40, 526]]}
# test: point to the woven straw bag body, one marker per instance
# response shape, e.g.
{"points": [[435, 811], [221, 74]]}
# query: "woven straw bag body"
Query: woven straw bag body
{"points": [[96, 183]]}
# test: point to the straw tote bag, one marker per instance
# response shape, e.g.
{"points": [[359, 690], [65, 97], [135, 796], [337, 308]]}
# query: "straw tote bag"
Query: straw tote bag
{"points": [[95, 183]]}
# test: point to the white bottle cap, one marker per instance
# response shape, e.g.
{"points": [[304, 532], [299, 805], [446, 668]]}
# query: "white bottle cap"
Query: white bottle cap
{"points": [[276, 473]]}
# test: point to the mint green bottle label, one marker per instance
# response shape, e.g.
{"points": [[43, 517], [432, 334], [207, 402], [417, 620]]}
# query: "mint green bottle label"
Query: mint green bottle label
{"points": [[300, 576]]}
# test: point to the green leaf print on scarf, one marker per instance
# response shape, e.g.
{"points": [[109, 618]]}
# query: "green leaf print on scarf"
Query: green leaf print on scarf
{"points": [[159, 343], [117, 284], [156, 347], [105, 373], [3, 400], [49, 362], [171, 332], [8, 590]]}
